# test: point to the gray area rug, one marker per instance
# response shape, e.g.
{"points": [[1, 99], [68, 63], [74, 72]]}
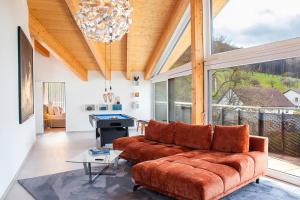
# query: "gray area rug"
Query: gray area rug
{"points": [[72, 185]]}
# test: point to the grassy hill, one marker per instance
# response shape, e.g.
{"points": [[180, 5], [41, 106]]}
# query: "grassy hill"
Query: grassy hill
{"points": [[235, 78]]}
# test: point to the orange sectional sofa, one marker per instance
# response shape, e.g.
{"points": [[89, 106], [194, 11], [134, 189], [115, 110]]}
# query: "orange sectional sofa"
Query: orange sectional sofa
{"points": [[195, 162]]}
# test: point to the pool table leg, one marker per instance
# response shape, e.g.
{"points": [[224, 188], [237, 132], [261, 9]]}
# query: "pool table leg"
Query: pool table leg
{"points": [[127, 132]]}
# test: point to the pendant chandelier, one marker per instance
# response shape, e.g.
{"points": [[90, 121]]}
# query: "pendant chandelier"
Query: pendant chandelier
{"points": [[104, 20]]}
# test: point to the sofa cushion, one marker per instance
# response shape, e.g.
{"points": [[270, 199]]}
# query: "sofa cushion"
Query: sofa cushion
{"points": [[193, 136], [123, 142], [261, 162], [231, 139], [50, 109], [149, 150], [56, 110], [160, 132]]}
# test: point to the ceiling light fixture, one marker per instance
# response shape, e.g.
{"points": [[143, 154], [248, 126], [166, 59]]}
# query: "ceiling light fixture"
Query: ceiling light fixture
{"points": [[104, 20]]}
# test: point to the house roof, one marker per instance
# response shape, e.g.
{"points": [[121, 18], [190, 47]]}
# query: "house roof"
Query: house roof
{"points": [[295, 90], [264, 97]]}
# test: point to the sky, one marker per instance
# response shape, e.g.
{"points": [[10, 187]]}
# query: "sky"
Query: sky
{"points": [[246, 23]]}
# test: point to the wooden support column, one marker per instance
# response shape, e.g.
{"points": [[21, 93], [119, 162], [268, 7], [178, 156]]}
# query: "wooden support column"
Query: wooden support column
{"points": [[197, 62]]}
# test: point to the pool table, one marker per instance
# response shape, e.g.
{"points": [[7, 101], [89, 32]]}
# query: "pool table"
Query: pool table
{"points": [[111, 126]]}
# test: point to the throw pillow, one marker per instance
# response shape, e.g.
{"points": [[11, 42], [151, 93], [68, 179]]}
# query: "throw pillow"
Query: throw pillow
{"points": [[50, 109], [193, 136], [160, 132], [231, 139], [56, 110]]}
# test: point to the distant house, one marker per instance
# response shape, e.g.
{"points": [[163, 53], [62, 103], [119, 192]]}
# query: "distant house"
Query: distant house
{"points": [[273, 100], [294, 96]]}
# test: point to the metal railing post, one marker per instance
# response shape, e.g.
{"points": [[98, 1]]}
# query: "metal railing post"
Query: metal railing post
{"points": [[283, 131], [260, 123], [222, 116], [239, 117]]}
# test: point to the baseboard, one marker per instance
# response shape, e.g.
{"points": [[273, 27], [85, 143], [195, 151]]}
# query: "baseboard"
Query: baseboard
{"points": [[12, 182]]}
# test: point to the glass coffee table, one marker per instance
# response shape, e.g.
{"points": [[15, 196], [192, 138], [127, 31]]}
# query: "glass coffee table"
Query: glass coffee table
{"points": [[105, 161]]}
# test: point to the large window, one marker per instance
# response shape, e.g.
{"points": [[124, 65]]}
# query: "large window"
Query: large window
{"points": [[173, 99], [262, 95], [180, 99], [247, 23], [160, 101], [253, 70]]}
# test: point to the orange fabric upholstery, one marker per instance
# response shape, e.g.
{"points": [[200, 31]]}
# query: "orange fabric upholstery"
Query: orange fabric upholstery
{"points": [[122, 142], [261, 162], [193, 136], [196, 175], [258, 143], [160, 132], [231, 139], [143, 151], [189, 169]]}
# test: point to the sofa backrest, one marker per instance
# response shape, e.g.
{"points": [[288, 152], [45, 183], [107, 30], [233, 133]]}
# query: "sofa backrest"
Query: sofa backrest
{"points": [[196, 136], [193, 136], [160, 132], [53, 110], [231, 139]]}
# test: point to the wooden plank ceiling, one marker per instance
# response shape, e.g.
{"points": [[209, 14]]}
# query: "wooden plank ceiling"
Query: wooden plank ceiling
{"points": [[131, 53]]}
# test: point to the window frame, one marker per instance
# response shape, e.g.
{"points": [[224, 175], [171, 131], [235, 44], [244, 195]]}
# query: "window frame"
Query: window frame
{"points": [[284, 49]]}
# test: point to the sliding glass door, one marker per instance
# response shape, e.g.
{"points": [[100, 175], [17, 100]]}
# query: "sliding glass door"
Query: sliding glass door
{"points": [[160, 101], [173, 99], [180, 99]]}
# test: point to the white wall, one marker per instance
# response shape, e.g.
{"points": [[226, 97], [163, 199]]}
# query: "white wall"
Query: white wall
{"points": [[79, 93], [15, 140]]}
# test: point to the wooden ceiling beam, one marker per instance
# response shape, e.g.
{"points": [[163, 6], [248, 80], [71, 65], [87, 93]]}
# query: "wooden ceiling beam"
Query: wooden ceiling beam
{"points": [[185, 40], [40, 33], [41, 49], [95, 47], [166, 36]]}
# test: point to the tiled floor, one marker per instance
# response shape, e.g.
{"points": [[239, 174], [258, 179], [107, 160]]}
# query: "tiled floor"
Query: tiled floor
{"points": [[286, 164], [49, 154]]}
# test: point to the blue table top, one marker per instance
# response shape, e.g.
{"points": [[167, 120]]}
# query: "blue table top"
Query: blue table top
{"points": [[111, 116]]}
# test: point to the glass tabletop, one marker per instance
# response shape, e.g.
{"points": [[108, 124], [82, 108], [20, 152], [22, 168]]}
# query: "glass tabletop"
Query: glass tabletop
{"points": [[85, 157]]}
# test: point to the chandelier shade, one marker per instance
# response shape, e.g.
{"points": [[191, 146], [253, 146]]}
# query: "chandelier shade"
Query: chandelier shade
{"points": [[104, 20]]}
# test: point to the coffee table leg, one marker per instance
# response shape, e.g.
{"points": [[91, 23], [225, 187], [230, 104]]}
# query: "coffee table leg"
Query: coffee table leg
{"points": [[94, 175], [85, 168], [90, 173], [116, 164]]}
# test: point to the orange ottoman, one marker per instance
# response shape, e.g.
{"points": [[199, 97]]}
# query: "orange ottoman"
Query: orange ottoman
{"points": [[186, 178]]}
